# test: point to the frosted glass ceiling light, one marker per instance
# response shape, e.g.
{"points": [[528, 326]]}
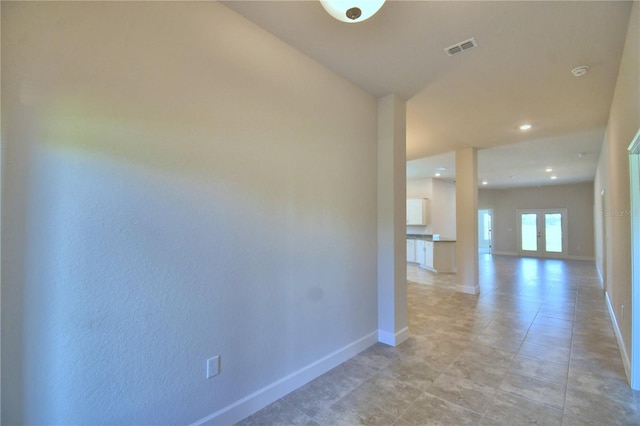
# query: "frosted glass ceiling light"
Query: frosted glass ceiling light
{"points": [[352, 10]]}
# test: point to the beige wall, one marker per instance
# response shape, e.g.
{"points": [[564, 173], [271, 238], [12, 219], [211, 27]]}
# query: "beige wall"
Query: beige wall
{"points": [[577, 199], [442, 197], [613, 177], [467, 220], [392, 255], [178, 184], [443, 208], [598, 216], [419, 188]]}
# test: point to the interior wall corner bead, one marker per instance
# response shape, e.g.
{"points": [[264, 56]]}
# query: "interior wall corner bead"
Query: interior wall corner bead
{"points": [[352, 10]]}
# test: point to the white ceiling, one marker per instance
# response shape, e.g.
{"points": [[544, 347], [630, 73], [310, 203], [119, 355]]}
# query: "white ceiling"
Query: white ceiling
{"points": [[574, 160], [519, 73]]}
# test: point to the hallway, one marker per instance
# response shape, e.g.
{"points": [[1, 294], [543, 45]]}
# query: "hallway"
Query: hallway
{"points": [[536, 347]]}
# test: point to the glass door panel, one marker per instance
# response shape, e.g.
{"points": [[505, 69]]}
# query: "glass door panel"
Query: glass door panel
{"points": [[542, 232], [553, 232], [529, 232]]}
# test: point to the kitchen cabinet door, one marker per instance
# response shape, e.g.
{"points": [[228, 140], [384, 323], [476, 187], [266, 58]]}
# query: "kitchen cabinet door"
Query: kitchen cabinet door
{"points": [[428, 254], [411, 250], [418, 211], [420, 251]]}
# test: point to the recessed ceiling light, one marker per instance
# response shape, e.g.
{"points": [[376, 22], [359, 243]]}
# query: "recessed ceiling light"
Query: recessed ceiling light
{"points": [[554, 177], [484, 182], [437, 174], [525, 127], [548, 169]]}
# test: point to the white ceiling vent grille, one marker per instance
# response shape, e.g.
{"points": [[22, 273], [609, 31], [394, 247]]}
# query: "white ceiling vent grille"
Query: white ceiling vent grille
{"points": [[463, 46]]}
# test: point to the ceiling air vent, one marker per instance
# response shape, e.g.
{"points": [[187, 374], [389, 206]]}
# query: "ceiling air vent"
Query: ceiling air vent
{"points": [[463, 46]]}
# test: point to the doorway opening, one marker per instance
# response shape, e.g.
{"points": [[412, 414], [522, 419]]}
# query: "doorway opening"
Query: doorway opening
{"points": [[542, 232], [485, 231]]}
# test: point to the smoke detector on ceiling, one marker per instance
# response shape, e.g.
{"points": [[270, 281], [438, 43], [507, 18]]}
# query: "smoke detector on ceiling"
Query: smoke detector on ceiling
{"points": [[461, 47]]}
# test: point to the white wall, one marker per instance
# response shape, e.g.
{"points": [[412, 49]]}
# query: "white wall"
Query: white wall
{"points": [[178, 184], [576, 198]]}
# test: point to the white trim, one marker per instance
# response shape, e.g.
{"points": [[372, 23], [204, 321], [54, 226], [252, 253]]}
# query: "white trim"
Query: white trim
{"points": [[634, 187], [256, 401], [587, 258], [490, 231], [505, 253], [427, 267], [616, 330], [510, 253], [468, 289], [600, 275], [634, 146], [393, 339]]}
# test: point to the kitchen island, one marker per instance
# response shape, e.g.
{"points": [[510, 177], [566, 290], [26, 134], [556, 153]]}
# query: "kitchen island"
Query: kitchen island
{"points": [[432, 252]]}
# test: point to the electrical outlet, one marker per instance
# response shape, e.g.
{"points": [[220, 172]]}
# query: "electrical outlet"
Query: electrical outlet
{"points": [[213, 366]]}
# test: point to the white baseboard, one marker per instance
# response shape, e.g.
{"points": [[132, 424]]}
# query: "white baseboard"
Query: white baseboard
{"points": [[505, 253], [600, 275], [468, 289], [587, 258], [513, 253], [276, 390], [392, 339], [623, 351]]}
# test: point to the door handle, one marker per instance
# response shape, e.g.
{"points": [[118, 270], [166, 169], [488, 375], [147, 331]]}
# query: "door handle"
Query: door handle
{"points": [[539, 234]]}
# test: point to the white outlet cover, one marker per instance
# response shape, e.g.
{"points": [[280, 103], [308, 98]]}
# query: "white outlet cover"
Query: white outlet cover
{"points": [[213, 366]]}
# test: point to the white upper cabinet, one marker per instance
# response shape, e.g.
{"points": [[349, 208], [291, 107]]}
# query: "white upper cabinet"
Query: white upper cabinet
{"points": [[418, 212]]}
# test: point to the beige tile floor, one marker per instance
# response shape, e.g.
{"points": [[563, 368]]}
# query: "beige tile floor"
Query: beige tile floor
{"points": [[535, 347]]}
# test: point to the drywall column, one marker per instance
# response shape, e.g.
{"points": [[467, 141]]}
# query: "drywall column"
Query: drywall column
{"points": [[624, 122], [392, 248], [467, 220]]}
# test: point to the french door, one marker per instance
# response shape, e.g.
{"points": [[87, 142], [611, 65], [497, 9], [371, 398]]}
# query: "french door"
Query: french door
{"points": [[484, 231], [542, 233]]}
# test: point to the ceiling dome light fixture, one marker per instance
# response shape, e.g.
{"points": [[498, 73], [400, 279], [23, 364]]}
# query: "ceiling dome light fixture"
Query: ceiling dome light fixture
{"points": [[525, 127], [352, 10], [580, 71]]}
